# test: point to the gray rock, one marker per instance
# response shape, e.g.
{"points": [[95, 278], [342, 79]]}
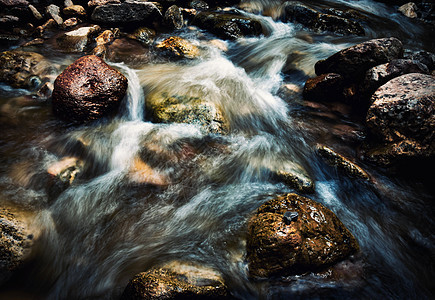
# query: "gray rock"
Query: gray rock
{"points": [[409, 10], [53, 11], [174, 18], [77, 40], [35, 12]]}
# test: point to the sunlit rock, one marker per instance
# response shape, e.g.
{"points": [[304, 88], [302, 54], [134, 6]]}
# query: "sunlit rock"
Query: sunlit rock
{"points": [[106, 37], [177, 280], [144, 35], [292, 234], [166, 108], [294, 176], [87, 90], [69, 23], [79, 39], [228, 26], [74, 10], [45, 28], [54, 12], [62, 174], [301, 13], [17, 238], [22, 69], [178, 47], [94, 3], [141, 172], [409, 10], [402, 116], [342, 163], [353, 62]]}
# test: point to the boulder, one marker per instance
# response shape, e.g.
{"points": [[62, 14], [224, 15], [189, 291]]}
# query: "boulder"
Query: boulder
{"points": [[87, 90], [53, 11], [291, 234], [166, 108], [173, 18], [379, 75], [94, 3], [21, 69], [144, 35], [16, 241], [13, 3], [79, 39], [353, 62], [303, 14], [409, 10], [402, 115], [342, 163], [327, 87], [177, 47], [106, 37], [128, 51], [226, 25], [129, 11], [426, 58], [177, 280], [75, 10]]}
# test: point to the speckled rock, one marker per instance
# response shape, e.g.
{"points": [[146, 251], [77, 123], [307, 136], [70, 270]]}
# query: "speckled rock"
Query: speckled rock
{"points": [[166, 108], [228, 26], [409, 10], [94, 3], [342, 163], [177, 280], [177, 47], [54, 12], [326, 87], [106, 37], [173, 18], [22, 69], [353, 62], [16, 241], [87, 90], [144, 35], [292, 234], [403, 114]]}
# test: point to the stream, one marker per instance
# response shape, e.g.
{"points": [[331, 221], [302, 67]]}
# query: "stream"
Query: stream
{"points": [[106, 227]]}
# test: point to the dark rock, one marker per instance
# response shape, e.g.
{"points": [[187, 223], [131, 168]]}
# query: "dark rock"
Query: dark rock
{"points": [[198, 5], [313, 19], [177, 280], [94, 3], [353, 62], [129, 11], [425, 58], [128, 51], [228, 26], [144, 35], [75, 10], [53, 11], [21, 69], [165, 108], [178, 47], [16, 241], [77, 40], [340, 162], [379, 75], [327, 87], [403, 116], [43, 29], [87, 90], [283, 243], [174, 18], [8, 20], [13, 3]]}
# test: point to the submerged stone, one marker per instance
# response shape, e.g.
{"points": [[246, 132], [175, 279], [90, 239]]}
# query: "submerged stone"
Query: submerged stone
{"points": [[291, 234]]}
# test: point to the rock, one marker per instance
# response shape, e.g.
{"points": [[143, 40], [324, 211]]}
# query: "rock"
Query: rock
{"points": [[144, 35], [289, 91], [8, 20], [409, 10], [16, 241], [166, 108], [21, 69], [294, 176], [36, 14], [34, 42], [67, 3], [402, 115], [291, 234], [334, 159], [379, 75], [87, 90], [53, 11], [228, 26], [327, 87], [177, 280], [425, 58], [106, 37], [178, 47], [75, 10], [62, 174], [173, 18], [42, 30], [353, 62], [129, 11], [198, 5], [77, 40], [94, 3], [313, 19], [69, 23], [100, 51], [128, 51], [13, 3], [141, 172]]}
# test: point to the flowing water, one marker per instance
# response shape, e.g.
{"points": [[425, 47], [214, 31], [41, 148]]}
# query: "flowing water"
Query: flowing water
{"points": [[108, 226]]}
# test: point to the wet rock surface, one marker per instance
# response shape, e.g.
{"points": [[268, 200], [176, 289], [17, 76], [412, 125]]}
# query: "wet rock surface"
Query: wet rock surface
{"points": [[177, 280], [78, 40], [324, 87], [87, 90], [178, 47], [292, 234], [402, 115], [354, 61]]}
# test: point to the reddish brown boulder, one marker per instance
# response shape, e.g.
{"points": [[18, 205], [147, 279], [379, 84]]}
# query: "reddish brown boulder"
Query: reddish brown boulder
{"points": [[292, 234], [353, 62], [87, 90]]}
